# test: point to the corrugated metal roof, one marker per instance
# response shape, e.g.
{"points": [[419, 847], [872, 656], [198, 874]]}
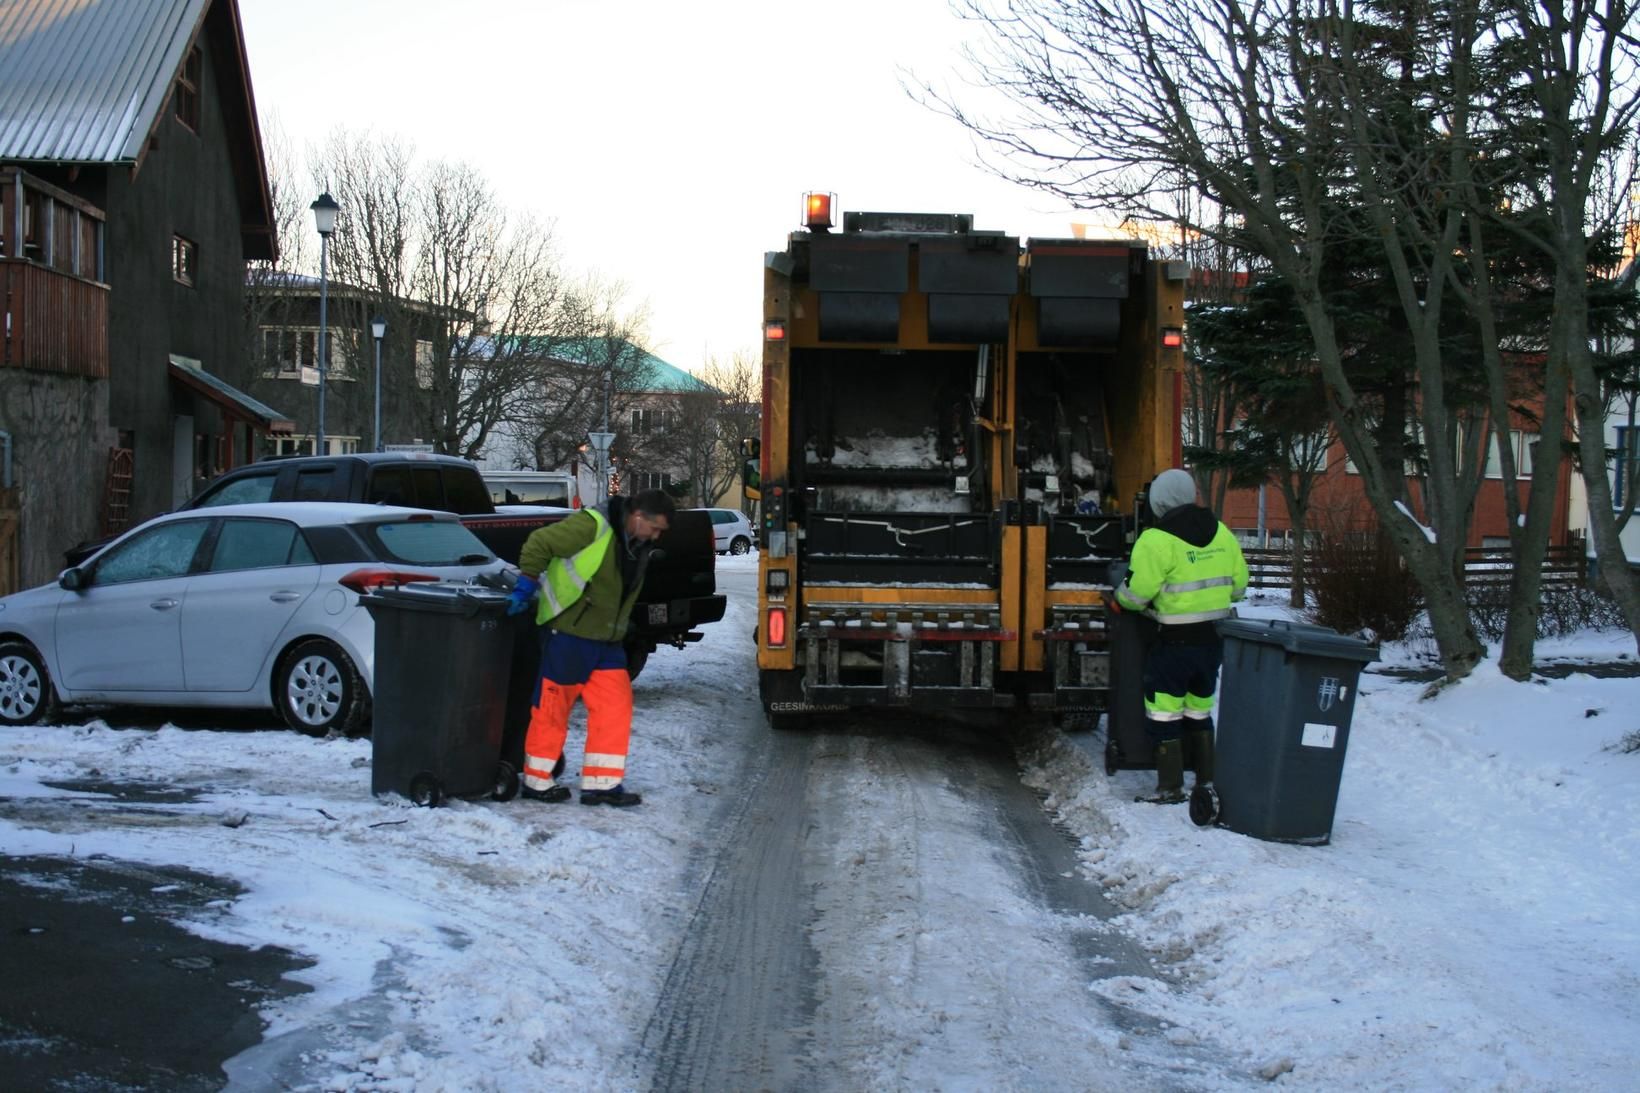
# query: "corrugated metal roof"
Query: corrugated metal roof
{"points": [[81, 81]]}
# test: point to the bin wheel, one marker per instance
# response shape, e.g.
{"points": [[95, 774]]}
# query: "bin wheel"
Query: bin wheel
{"points": [[426, 791], [1204, 805], [506, 782], [558, 768], [1113, 758]]}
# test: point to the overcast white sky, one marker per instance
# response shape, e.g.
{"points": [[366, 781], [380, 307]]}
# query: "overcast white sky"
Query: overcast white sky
{"points": [[671, 143]]}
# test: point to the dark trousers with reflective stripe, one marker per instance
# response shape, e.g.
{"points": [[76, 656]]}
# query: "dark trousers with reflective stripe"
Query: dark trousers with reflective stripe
{"points": [[1180, 678]]}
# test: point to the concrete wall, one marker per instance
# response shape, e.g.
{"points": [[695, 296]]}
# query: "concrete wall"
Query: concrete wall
{"points": [[60, 485]]}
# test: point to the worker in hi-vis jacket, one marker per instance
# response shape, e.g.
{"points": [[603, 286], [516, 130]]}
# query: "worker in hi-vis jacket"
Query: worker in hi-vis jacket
{"points": [[583, 575], [1186, 570]]}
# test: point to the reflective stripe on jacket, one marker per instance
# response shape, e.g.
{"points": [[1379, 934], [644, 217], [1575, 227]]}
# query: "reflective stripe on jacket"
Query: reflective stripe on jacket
{"points": [[1178, 583], [605, 604], [565, 579]]}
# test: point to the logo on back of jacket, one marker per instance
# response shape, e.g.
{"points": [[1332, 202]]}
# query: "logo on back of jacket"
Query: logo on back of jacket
{"points": [[1202, 554]]}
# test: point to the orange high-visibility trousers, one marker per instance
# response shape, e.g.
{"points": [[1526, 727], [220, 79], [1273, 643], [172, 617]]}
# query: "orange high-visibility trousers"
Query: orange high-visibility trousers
{"points": [[594, 672]]}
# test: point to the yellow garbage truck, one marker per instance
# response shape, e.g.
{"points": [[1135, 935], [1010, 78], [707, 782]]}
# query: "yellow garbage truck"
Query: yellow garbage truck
{"points": [[957, 431]]}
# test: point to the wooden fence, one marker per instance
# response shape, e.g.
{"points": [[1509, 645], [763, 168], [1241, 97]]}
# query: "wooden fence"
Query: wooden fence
{"points": [[1485, 568]]}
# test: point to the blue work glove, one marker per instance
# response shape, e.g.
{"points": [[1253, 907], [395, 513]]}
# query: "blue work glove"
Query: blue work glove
{"points": [[523, 594]]}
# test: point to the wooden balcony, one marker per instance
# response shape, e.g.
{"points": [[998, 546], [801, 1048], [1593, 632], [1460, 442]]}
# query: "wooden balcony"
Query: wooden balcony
{"points": [[55, 305], [55, 322]]}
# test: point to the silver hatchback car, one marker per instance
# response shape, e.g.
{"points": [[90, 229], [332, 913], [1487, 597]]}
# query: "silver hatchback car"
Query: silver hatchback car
{"points": [[731, 531], [238, 606]]}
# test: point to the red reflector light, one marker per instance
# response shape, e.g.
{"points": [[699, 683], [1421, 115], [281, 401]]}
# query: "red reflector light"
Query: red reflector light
{"points": [[774, 330], [817, 210], [366, 581], [1172, 337], [777, 626]]}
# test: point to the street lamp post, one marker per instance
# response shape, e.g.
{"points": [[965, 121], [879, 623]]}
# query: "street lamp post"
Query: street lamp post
{"points": [[324, 219], [378, 328]]}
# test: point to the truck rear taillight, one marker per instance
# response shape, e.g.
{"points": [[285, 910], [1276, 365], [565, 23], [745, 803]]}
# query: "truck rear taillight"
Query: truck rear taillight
{"points": [[774, 330], [366, 581], [777, 626], [817, 210], [1172, 337]]}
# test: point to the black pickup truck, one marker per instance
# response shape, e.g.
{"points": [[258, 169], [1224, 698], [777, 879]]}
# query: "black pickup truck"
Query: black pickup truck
{"points": [[680, 586]]}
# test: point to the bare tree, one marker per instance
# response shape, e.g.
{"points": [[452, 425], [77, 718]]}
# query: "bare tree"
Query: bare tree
{"points": [[589, 367], [496, 279], [1580, 83], [703, 440], [1315, 125]]}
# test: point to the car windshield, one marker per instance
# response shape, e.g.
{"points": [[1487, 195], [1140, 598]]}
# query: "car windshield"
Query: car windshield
{"points": [[427, 542]]}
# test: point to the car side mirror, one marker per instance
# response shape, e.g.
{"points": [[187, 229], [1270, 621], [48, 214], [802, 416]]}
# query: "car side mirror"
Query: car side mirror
{"points": [[71, 579]]}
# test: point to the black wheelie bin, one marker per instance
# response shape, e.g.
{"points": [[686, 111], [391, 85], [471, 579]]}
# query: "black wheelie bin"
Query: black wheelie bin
{"points": [[445, 662], [1285, 702]]}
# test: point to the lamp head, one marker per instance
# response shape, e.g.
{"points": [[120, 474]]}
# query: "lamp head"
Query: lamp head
{"points": [[324, 214], [378, 327]]}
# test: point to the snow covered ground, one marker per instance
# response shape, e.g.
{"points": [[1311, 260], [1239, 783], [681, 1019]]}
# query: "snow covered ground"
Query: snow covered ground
{"points": [[1471, 925]]}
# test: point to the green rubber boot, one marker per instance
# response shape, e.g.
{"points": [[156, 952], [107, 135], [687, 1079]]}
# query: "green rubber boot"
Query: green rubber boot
{"points": [[1200, 742], [1169, 774]]}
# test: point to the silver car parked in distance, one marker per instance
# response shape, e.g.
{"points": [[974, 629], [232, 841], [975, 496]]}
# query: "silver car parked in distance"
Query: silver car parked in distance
{"points": [[253, 606], [731, 531]]}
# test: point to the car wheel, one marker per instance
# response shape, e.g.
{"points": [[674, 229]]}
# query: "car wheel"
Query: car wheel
{"points": [[26, 696], [741, 545], [318, 690]]}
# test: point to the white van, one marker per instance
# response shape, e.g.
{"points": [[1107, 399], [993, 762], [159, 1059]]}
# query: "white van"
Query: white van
{"points": [[553, 488]]}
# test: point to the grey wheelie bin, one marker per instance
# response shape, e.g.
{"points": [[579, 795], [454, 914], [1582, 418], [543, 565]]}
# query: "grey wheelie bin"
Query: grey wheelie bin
{"points": [[445, 657], [1285, 702]]}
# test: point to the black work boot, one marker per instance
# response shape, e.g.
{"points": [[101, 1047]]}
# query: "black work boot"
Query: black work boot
{"points": [[1201, 754], [552, 795], [617, 796], [1169, 775]]}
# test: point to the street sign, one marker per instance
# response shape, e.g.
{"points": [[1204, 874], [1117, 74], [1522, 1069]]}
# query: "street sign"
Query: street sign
{"points": [[600, 441]]}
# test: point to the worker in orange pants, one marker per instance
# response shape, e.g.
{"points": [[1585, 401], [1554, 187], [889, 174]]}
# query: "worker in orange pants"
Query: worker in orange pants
{"points": [[582, 575], [594, 672]]}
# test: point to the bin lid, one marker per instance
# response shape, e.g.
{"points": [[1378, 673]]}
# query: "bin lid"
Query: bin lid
{"points": [[439, 596], [1300, 637]]}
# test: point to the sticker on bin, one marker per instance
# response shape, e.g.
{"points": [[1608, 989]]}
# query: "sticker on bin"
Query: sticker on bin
{"points": [[1319, 736], [657, 614]]}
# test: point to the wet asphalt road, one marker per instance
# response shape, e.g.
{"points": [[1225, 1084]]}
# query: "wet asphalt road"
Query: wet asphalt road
{"points": [[103, 992]]}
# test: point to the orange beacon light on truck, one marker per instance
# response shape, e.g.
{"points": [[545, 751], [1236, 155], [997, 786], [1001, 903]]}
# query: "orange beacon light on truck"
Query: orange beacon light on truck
{"points": [[817, 210]]}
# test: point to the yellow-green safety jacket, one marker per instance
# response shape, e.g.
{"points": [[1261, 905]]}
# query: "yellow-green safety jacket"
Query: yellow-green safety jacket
{"points": [[1186, 569], [580, 576]]}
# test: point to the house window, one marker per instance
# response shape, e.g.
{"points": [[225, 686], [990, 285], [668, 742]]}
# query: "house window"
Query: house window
{"points": [[424, 364], [645, 421], [184, 260], [288, 350], [187, 91], [650, 480], [303, 445], [1522, 445]]}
